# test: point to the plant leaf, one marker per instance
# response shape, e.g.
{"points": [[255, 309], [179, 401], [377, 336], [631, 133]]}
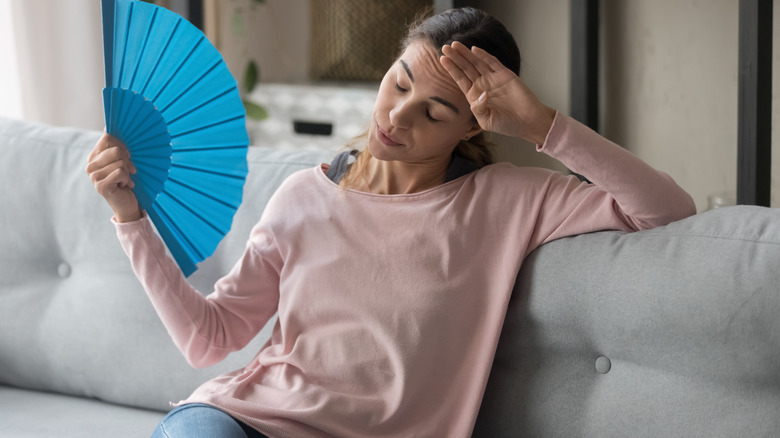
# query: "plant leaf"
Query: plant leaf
{"points": [[255, 111], [251, 76]]}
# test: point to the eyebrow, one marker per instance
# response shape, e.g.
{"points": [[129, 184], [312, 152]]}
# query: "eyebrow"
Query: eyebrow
{"points": [[408, 71], [446, 103], [438, 99]]}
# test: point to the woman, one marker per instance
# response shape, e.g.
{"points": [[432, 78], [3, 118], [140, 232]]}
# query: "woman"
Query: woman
{"points": [[390, 276]]}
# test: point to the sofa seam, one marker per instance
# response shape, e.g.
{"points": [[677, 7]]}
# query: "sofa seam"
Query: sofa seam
{"points": [[711, 236]]}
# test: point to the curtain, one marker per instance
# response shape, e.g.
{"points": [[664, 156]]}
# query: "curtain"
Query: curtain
{"points": [[60, 60], [10, 100]]}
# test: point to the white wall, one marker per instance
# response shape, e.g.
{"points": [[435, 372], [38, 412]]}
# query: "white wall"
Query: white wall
{"points": [[669, 81], [670, 77], [60, 61], [275, 34]]}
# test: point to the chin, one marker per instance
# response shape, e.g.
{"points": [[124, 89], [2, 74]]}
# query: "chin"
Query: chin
{"points": [[378, 150]]}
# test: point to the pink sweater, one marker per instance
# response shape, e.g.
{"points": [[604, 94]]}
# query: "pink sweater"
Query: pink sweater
{"points": [[390, 306]]}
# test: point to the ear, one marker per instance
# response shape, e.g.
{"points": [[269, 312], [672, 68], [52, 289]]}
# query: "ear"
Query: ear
{"points": [[472, 131]]}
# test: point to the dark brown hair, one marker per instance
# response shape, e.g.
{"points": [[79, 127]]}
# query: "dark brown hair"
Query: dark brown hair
{"points": [[470, 27]]}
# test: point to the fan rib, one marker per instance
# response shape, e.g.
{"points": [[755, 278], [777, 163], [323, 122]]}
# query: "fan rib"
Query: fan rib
{"points": [[134, 123], [214, 148], [182, 255], [199, 216], [150, 165], [143, 49], [171, 224], [187, 89], [124, 49], [232, 119], [211, 171], [153, 147], [200, 192], [109, 16], [181, 67], [148, 137], [161, 57], [197, 107], [132, 135]]}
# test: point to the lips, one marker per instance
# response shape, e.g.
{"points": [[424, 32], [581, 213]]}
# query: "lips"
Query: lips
{"points": [[386, 139]]}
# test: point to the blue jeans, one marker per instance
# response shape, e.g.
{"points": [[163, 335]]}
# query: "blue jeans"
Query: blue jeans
{"points": [[199, 420]]}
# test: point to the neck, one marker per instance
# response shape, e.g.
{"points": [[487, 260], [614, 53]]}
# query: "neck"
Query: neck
{"points": [[397, 177]]}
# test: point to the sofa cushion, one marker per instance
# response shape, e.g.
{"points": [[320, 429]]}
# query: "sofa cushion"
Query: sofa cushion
{"points": [[668, 332], [73, 319], [32, 414]]}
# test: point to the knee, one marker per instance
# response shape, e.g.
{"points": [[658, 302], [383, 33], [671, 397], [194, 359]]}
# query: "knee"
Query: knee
{"points": [[198, 420]]}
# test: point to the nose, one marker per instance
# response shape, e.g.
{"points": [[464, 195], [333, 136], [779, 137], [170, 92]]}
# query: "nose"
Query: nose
{"points": [[400, 115]]}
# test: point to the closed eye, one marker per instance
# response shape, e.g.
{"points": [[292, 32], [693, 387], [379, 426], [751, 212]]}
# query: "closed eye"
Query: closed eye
{"points": [[427, 112]]}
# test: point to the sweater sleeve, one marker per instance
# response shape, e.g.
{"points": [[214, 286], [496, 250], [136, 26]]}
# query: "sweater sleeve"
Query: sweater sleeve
{"points": [[206, 328], [626, 194]]}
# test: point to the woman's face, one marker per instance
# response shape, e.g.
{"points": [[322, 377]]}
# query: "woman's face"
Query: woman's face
{"points": [[420, 114]]}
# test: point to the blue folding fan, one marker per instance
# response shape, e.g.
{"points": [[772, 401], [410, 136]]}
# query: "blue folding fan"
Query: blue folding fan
{"points": [[171, 100]]}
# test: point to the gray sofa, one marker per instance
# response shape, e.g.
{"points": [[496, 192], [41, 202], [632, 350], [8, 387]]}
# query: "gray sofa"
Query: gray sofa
{"points": [[668, 332]]}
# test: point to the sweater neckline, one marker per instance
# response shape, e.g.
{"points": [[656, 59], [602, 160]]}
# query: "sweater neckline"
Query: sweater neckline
{"points": [[444, 189]]}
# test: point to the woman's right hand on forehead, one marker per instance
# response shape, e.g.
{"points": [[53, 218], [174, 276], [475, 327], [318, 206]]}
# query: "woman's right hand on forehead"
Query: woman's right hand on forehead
{"points": [[500, 101], [109, 167]]}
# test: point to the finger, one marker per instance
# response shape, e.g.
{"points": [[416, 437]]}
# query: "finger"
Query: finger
{"points": [[464, 83], [100, 146], [480, 107], [116, 180], [102, 174], [105, 142], [465, 65], [105, 157], [104, 164], [106, 153], [477, 61], [491, 61]]}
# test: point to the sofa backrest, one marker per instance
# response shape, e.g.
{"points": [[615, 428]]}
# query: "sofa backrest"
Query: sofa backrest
{"points": [[73, 318], [670, 332]]}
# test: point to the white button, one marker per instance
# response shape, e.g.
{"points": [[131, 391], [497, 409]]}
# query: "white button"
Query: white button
{"points": [[603, 364], [64, 270]]}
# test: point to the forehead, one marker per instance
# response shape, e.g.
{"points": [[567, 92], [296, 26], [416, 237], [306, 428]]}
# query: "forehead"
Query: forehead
{"points": [[423, 62]]}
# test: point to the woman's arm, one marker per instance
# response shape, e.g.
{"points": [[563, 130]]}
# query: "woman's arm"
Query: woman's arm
{"points": [[627, 193], [500, 101], [205, 329]]}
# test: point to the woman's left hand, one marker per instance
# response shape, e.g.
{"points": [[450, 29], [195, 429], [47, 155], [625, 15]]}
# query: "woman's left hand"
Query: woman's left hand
{"points": [[499, 99]]}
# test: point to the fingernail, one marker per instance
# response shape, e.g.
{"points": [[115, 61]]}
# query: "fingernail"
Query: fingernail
{"points": [[482, 97]]}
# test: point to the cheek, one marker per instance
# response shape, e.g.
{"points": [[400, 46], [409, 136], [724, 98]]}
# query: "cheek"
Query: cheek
{"points": [[385, 88], [441, 137]]}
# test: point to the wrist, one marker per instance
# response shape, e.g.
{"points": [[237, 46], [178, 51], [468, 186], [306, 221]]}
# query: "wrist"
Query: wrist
{"points": [[543, 125], [131, 216]]}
